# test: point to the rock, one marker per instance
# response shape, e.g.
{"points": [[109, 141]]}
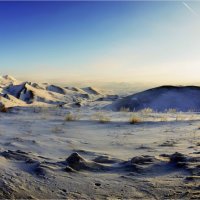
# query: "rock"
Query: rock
{"points": [[177, 157], [104, 159], [75, 161], [141, 160], [3, 108], [69, 169]]}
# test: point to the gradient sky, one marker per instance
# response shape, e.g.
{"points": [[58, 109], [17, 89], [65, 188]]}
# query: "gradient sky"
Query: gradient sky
{"points": [[144, 42]]}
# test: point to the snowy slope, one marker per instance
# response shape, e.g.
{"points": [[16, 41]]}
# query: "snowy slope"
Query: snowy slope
{"points": [[18, 93], [92, 90], [162, 98]]}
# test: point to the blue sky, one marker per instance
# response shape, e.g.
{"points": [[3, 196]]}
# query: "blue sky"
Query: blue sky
{"points": [[104, 41]]}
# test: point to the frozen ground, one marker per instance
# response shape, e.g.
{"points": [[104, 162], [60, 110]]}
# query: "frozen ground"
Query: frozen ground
{"points": [[65, 142], [99, 155]]}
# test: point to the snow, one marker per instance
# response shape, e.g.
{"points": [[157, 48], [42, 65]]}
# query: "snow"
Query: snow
{"points": [[36, 144], [34, 93], [96, 153], [161, 99]]}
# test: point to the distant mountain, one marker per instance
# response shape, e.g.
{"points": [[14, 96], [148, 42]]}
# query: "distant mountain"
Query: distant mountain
{"points": [[181, 98], [17, 93]]}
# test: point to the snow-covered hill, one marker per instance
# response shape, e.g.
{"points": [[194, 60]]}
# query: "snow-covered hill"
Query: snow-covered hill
{"points": [[162, 98], [14, 92], [17, 93]]}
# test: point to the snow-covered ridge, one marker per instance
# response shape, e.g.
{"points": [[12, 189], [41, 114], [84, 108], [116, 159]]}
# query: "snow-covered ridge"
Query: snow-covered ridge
{"points": [[18, 93], [6, 80], [182, 98], [14, 92]]}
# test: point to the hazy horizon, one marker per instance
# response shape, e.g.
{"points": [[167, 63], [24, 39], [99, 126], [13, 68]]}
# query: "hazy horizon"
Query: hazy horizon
{"points": [[150, 43]]}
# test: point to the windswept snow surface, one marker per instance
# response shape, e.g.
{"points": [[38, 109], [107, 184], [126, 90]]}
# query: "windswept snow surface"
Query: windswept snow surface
{"points": [[60, 143]]}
